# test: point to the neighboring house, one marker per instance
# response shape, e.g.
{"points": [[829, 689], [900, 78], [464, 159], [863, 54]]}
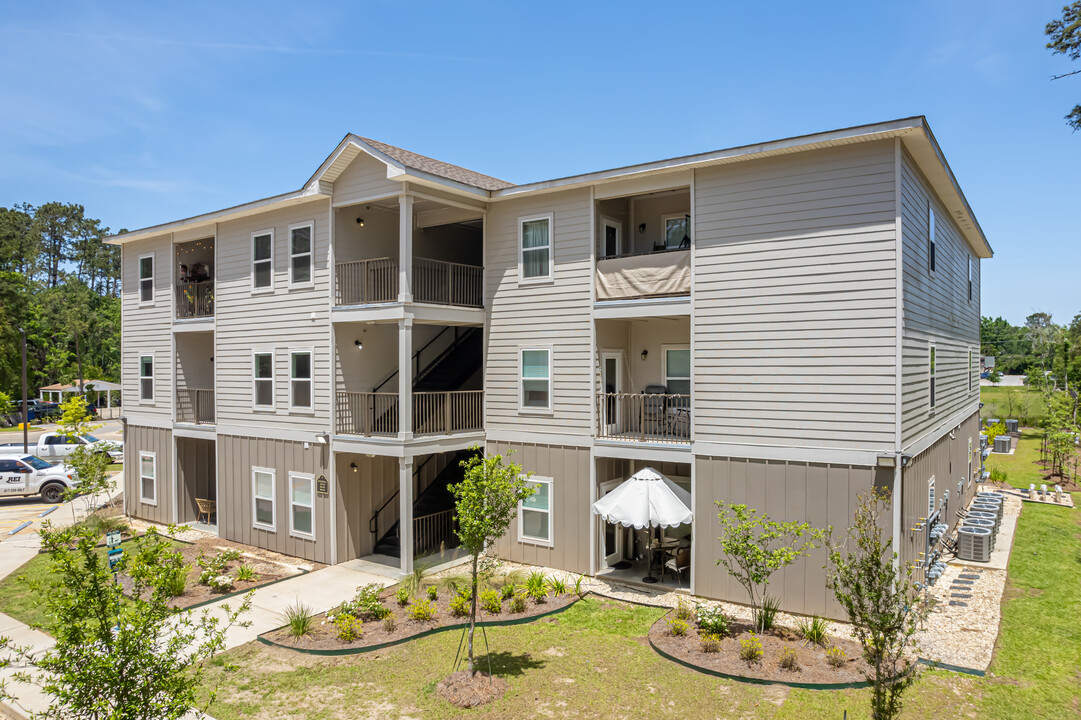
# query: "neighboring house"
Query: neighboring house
{"points": [[785, 324]]}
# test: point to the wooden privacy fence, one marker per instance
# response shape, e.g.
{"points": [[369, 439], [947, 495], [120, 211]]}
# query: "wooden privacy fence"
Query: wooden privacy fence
{"points": [[367, 413], [644, 416], [359, 282], [195, 405], [195, 299]]}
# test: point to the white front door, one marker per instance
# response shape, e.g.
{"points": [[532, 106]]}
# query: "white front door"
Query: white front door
{"points": [[612, 380], [612, 535]]}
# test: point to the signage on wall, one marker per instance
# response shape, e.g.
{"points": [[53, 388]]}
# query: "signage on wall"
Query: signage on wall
{"points": [[322, 486]]}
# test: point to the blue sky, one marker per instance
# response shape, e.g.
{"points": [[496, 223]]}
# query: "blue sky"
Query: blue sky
{"points": [[149, 112]]}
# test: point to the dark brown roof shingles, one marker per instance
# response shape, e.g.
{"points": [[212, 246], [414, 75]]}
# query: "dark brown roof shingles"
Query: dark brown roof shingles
{"points": [[438, 167]]}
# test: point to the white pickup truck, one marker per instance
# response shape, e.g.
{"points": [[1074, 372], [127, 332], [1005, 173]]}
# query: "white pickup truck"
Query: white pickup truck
{"points": [[23, 475], [54, 446]]}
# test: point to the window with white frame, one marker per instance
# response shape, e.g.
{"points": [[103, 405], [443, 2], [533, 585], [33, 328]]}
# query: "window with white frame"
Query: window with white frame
{"points": [[300, 379], [146, 377], [931, 374], [301, 505], [970, 278], [931, 496], [262, 484], [971, 369], [263, 378], [677, 231], [930, 237], [970, 459], [535, 513], [146, 278], [262, 260], [148, 478], [677, 369], [535, 247], [536, 378], [300, 255]]}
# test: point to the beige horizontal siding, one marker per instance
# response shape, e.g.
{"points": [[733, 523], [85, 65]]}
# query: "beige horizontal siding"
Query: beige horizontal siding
{"points": [[147, 330], [525, 315], [795, 316]]}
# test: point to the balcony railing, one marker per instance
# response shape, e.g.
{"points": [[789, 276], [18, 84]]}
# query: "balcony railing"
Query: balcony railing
{"points": [[362, 282], [195, 299], [434, 413], [195, 405], [644, 417], [657, 274], [430, 532]]}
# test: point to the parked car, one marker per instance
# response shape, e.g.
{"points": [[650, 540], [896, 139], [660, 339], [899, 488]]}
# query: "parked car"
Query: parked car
{"points": [[24, 475], [985, 374], [54, 446]]}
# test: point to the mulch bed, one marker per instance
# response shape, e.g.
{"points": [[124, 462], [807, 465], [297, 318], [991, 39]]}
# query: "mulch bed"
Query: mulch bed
{"points": [[324, 636], [464, 691], [812, 660]]}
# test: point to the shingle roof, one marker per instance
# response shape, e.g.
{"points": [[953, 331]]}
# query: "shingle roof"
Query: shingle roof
{"points": [[438, 167]]}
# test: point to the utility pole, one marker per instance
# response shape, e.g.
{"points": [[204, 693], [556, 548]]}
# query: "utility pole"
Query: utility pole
{"points": [[26, 414]]}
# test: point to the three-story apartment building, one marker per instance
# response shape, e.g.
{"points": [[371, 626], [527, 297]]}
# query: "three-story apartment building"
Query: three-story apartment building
{"points": [[785, 324]]}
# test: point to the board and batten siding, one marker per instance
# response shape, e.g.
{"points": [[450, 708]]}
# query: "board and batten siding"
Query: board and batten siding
{"points": [[820, 494], [196, 467], [571, 516], [289, 318], [555, 313], [237, 456], [148, 330], [794, 296], [139, 439], [936, 309]]}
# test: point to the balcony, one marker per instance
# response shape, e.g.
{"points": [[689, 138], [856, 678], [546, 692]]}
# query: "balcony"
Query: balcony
{"points": [[375, 414], [375, 280], [664, 273], [644, 417], [195, 406], [195, 300]]}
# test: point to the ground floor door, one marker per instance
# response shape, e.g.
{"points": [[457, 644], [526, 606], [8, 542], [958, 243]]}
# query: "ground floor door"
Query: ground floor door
{"points": [[612, 374], [613, 536]]}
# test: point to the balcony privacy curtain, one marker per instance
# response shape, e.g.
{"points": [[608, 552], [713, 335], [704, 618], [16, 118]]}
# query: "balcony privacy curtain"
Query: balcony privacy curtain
{"points": [[652, 274]]}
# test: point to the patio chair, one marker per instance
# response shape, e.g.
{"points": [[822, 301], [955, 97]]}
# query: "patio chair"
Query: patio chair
{"points": [[680, 563], [206, 509], [653, 409]]}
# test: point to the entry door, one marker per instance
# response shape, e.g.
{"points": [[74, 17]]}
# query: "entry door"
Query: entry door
{"points": [[612, 379], [13, 476], [612, 232], [612, 535]]}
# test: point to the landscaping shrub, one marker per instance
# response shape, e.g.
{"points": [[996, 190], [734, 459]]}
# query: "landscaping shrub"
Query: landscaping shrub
{"points": [[230, 555], [789, 660], [750, 649], [433, 593], [246, 573], [402, 596], [712, 620], [459, 605], [812, 629], [506, 592], [175, 580], [558, 585], [710, 643], [517, 603], [677, 626], [490, 602], [390, 623], [536, 587], [367, 603], [835, 656], [993, 431], [423, 610], [765, 616], [212, 566], [219, 583], [298, 617], [684, 609], [578, 586], [347, 627], [998, 475]]}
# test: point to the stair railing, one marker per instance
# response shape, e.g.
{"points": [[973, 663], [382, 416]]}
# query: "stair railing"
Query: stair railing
{"points": [[460, 335]]}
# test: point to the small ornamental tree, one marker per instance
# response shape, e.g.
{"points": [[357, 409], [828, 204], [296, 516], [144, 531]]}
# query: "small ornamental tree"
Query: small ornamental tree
{"points": [[755, 547], [117, 656], [881, 601], [91, 464], [485, 503]]}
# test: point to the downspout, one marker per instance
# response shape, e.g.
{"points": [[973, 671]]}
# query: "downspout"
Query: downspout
{"points": [[898, 471]]}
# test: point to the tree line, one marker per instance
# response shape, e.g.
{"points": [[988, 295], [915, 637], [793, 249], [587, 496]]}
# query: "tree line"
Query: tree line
{"points": [[61, 284], [1040, 346]]}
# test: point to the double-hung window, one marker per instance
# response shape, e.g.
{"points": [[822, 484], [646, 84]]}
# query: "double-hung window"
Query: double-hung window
{"points": [[262, 485], [970, 459], [301, 505], [300, 254], [300, 379], [146, 377], [262, 260], [677, 229], [536, 378], [931, 369], [148, 478], [535, 247], [970, 278], [971, 369], [677, 370], [535, 513], [263, 378], [146, 279], [930, 237]]}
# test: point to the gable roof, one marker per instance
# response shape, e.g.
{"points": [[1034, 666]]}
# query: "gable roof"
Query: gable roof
{"points": [[439, 168]]}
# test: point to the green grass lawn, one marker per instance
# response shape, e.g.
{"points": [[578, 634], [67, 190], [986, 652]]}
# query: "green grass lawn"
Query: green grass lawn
{"points": [[1021, 468], [16, 597], [1016, 403], [33, 428]]}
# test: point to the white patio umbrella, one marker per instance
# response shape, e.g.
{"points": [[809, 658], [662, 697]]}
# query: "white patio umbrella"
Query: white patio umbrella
{"points": [[646, 500]]}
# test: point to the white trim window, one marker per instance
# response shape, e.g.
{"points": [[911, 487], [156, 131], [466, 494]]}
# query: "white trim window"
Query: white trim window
{"points": [[263, 493], [302, 505], [263, 380], [677, 369], [300, 380], [300, 253], [930, 497], [535, 378], [930, 237], [971, 369], [677, 227], [970, 263], [535, 248], [262, 260], [148, 478], [535, 513], [146, 378], [146, 279], [931, 360], [970, 462]]}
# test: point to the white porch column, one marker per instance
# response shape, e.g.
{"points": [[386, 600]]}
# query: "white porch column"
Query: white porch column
{"points": [[405, 248], [405, 379], [405, 512]]}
